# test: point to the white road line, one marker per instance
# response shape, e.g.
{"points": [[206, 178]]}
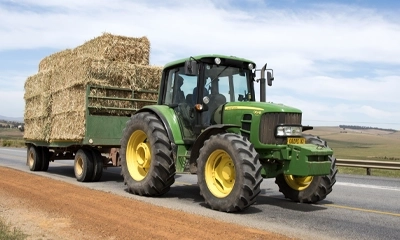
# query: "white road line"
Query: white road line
{"points": [[368, 186]]}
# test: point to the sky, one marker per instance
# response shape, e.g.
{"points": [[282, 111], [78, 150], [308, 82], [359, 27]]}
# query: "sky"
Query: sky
{"points": [[337, 61]]}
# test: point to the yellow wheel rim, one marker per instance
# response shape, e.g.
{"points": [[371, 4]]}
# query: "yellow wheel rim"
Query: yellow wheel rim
{"points": [[138, 155], [31, 159], [79, 166], [220, 173], [298, 183]]}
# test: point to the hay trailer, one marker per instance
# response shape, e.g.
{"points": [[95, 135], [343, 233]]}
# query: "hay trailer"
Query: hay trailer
{"points": [[208, 122], [104, 118]]}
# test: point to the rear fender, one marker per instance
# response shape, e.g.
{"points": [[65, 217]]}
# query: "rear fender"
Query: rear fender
{"points": [[168, 119]]}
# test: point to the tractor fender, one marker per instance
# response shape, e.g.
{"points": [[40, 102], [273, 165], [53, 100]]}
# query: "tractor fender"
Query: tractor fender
{"points": [[198, 144], [169, 121]]}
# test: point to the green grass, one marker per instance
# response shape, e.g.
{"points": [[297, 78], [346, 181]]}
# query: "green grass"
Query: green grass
{"points": [[11, 137], [9, 233]]}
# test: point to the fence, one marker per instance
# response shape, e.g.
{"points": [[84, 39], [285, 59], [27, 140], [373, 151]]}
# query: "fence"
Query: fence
{"points": [[368, 164]]}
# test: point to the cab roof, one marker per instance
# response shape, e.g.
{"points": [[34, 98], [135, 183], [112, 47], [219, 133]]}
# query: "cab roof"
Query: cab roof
{"points": [[208, 56]]}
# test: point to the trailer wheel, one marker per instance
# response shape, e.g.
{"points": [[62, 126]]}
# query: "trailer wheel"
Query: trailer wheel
{"points": [[146, 158], [45, 159], [83, 165], [229, 172], [308, 189], [98, 165], [34, 158]]}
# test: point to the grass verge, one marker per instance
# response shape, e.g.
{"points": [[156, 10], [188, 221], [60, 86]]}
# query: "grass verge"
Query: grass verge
{"points": [[10, 233]]}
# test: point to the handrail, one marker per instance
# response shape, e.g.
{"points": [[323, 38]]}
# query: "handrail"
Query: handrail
{"points": [[368, 164]]}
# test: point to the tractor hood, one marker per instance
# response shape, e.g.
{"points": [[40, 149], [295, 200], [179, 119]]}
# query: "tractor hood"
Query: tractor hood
{"points": [[260, 106], [234, 112]]}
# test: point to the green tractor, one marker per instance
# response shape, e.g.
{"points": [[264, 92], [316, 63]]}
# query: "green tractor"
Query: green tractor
{"points": [[208, 122]]}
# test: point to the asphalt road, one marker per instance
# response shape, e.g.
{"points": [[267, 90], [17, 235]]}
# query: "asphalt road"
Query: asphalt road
{"points": [[360, 207]]}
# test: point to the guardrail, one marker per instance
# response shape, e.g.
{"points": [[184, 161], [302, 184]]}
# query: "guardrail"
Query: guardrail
{"points": [[368, 164]]}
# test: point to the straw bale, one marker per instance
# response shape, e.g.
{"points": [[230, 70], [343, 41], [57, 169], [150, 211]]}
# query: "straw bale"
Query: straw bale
{"points": [[35, 85], [68, 126], [37, 128], [38, 107], [56, 60], [117, 48], [127, 74], [70, 99], [75, 72]]}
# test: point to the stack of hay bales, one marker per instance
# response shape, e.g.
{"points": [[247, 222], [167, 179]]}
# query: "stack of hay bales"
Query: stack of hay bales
{"points": [[55, 97]]}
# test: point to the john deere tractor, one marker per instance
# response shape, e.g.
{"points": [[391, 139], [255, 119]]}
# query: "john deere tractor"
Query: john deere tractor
{"points": [[207, 122]]}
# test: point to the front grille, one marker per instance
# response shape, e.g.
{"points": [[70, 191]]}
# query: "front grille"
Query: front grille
{"points": [[268, 124]]}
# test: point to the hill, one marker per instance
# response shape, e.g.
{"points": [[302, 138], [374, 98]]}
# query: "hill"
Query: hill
{"points": [[11, 119]]}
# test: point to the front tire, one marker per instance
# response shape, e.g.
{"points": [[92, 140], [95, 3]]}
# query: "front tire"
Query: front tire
{"points": [[146, 157], [229, 172], [308, 189]]}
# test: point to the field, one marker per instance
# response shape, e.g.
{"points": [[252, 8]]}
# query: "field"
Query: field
{"points": [[11, 137], [368, 144]]}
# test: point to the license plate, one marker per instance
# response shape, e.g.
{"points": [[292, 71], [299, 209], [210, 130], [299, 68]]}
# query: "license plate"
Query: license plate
{"points": [[296, 141]]}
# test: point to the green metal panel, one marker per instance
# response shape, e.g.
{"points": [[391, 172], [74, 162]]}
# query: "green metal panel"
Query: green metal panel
{"points": [[104, 130], [307, 160]]}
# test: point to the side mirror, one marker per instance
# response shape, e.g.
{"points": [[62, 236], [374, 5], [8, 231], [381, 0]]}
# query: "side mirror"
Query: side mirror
{"points": [[270, 78], [191, 68]]}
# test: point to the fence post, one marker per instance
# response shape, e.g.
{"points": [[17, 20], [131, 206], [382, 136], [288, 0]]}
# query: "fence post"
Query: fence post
{"points": [[368, 171]]}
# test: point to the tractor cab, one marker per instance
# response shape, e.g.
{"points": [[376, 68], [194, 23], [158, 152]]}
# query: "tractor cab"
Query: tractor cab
{"points": [[198, 87]]}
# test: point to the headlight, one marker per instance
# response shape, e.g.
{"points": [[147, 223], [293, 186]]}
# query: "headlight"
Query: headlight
{"points": [[251, 66], [284, 131], [217, 61]]}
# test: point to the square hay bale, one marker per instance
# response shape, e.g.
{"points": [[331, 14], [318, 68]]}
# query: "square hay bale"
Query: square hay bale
{"points": [[69, 100], [56, 60], [127, 74], [37, 84], [68, 126], [37, 128], [75, 72], [38, 106], [117, 48]]}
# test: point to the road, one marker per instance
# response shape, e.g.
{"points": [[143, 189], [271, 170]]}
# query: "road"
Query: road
{"points": [[360, 207]]}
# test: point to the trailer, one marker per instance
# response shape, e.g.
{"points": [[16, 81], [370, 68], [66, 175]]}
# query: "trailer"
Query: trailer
{"points": [[99, 146]]}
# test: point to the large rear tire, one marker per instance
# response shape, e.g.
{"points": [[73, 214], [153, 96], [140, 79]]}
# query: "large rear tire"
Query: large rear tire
{"points": [[309, 189], [146, 157], [83, 165], [229, 172]]}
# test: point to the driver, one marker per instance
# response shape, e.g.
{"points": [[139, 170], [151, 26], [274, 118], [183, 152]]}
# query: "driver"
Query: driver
{"points": [[179, 94]]}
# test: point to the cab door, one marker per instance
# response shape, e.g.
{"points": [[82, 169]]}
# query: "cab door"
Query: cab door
{"points": [[178, 94]]}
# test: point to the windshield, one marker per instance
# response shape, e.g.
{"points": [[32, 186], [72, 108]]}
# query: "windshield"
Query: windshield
{"points": [[232, 82]]}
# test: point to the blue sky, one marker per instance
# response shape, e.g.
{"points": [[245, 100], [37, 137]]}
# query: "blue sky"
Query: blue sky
{"points": [[337, 61]]}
